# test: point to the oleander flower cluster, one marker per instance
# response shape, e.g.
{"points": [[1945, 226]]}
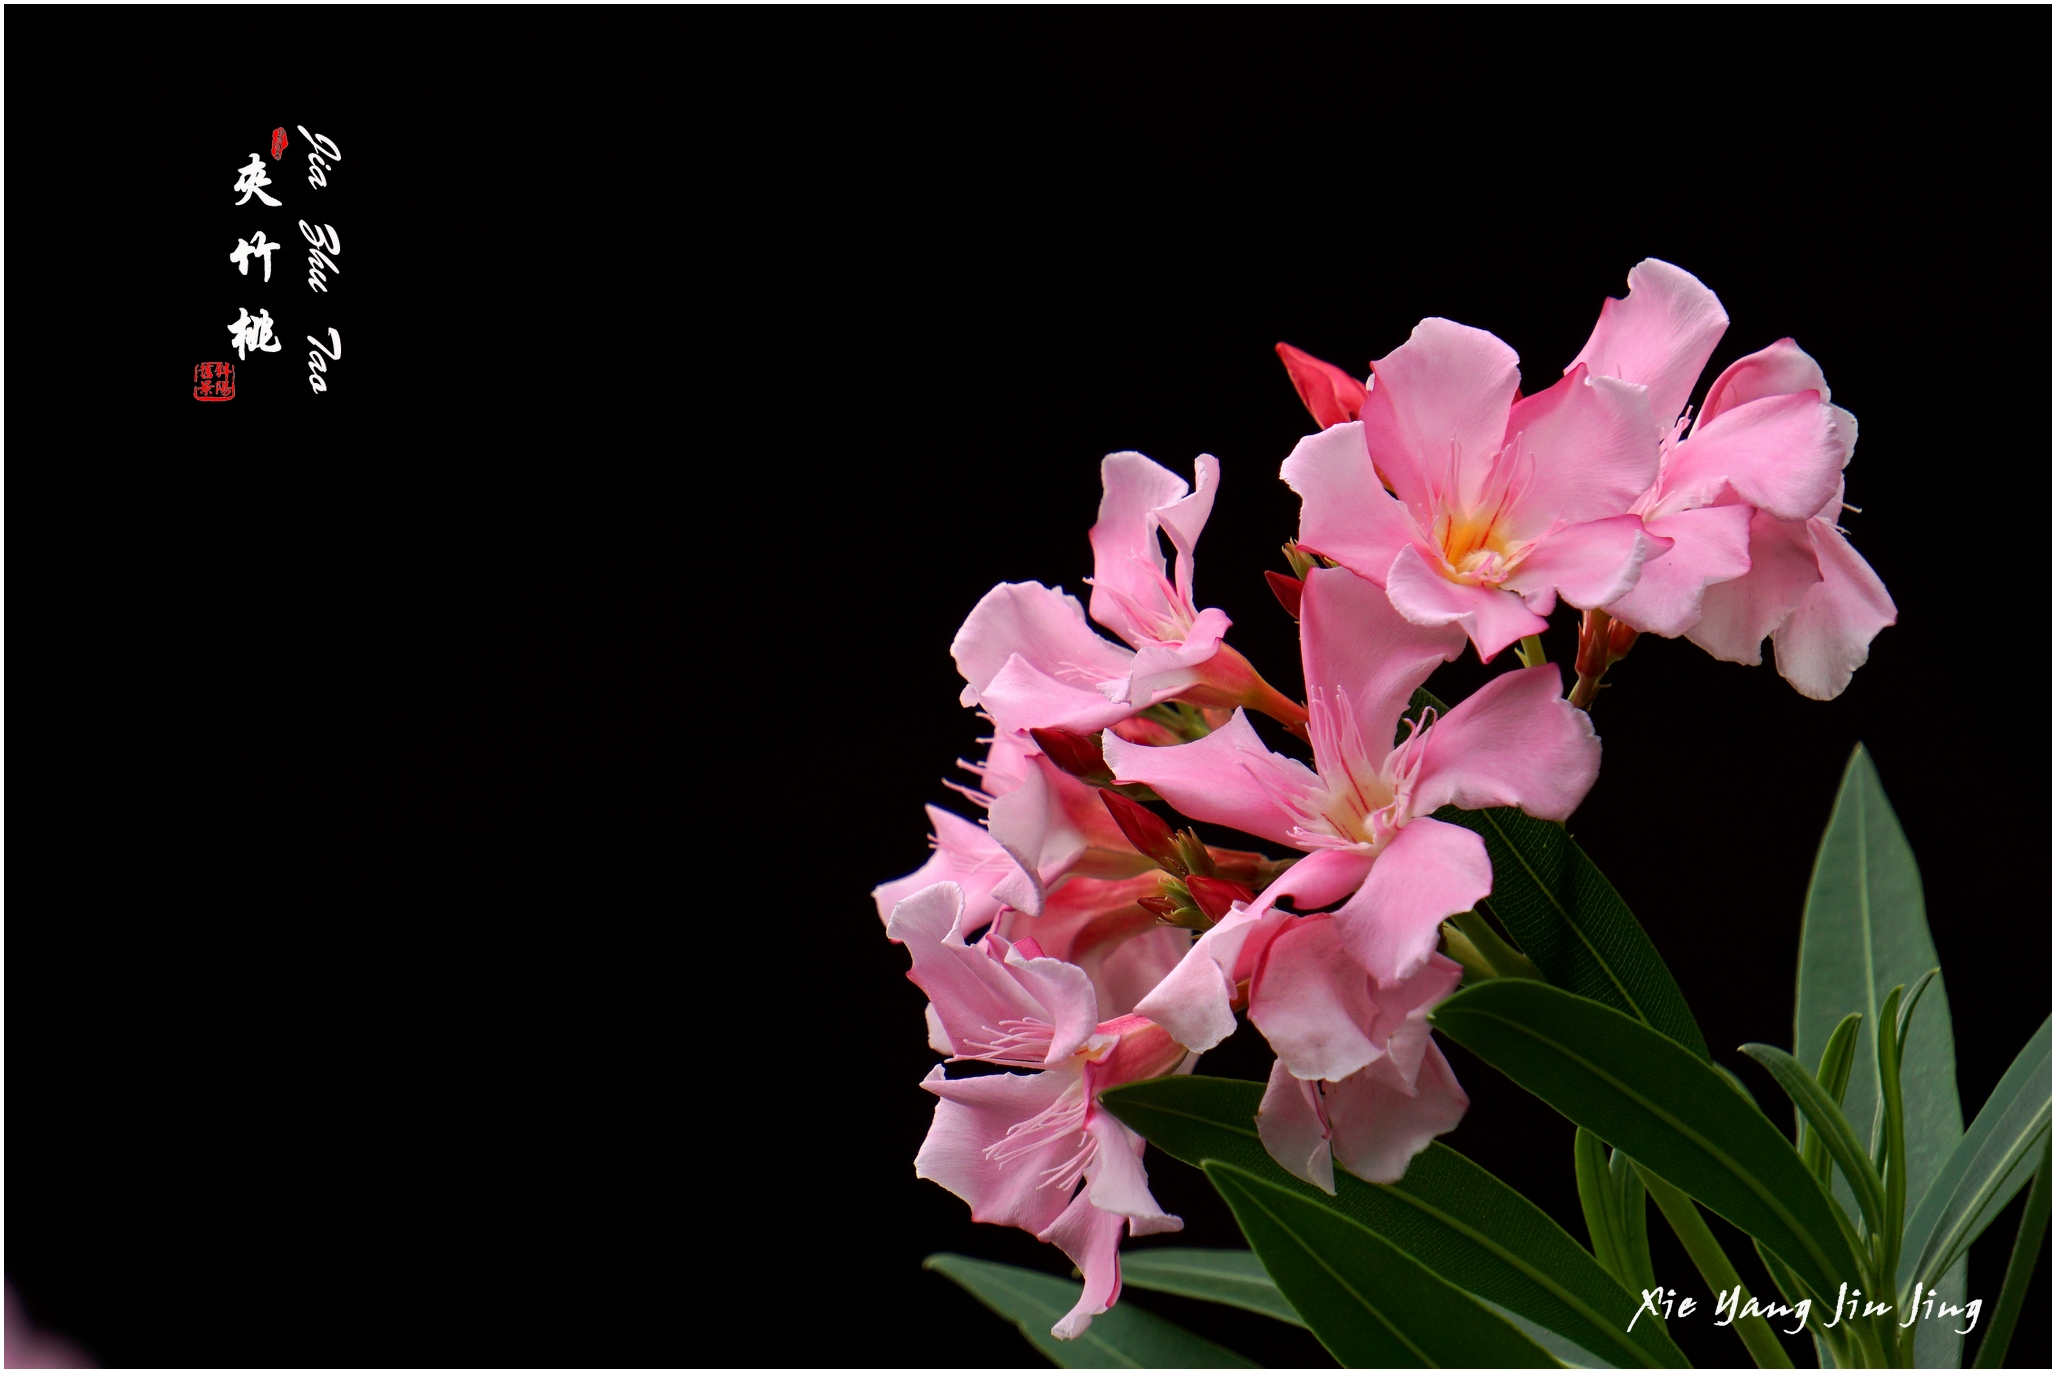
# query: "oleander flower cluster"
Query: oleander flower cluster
{"points": [[1073, 938]]}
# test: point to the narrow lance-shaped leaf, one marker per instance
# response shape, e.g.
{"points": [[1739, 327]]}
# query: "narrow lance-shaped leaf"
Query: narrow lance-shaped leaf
{"points": [[2020, 1269], [1638, 1271], [1600, 1201], [1232, 1277], [1368, 1301], [1866, 931], [1455, 1217], [1124, 1337], [1833, 1077], [1568, 918], [1647, 1095], [1826, 1121], [1996, 1157]]}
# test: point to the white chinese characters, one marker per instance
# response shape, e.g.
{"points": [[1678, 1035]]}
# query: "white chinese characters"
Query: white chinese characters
{"points": [[249, 248], [253, 333], [251, 178]]}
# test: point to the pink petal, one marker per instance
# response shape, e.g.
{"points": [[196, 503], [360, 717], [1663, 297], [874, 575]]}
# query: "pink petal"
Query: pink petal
{"points": [[1128, 562], [1438, 402], [1828, 635], [976, 993], [1290, 1124], [1355, 643], [1778, 370], [1319, 879], [1344, 511], [1045, 628], [1331, 395], [1227, 778], [1021, 697], [1313, 1002], [1163, 670], [1401, 1028], [974, 1114], [1491, 617], [1783, 454], [1735, 616], [1090, 1238], [964, 854], [1031, 826], [1708, 545], [1117, 1181], [1429, 872], [1587, 564], [1183, 520], [1194, 1002], [1513, 742], [1142, 1049], [1126, 971], [1659, 335], [1378, 1126], [1588, 449]]}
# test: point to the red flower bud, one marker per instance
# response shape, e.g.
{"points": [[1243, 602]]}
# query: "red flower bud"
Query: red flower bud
{"points": [[1214, 895], [1146, 830], [1288, 590], [1331, 395], [1077, 754]]}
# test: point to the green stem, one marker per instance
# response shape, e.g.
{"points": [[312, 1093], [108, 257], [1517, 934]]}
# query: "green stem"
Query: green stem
{"points": [[1529, 651], [1865, 1333], [1713, 1265], [2027, 1249]]}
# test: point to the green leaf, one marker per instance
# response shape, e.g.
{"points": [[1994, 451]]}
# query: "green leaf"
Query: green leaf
{"points": [[2020, 1270], [1447, 1212], [1833, 1077], [1995, 1158], [1566, 1352], [1638, 1271], [1369, 1302], [1569, 919], [1866, 932], [1125, 1337], [1599, 1199], [1829, 1125], [1232, 1277], [1672, 1113]]}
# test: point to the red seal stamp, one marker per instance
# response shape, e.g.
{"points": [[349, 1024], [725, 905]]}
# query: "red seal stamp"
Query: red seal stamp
{"points": [[278, 143], [214, 381]]}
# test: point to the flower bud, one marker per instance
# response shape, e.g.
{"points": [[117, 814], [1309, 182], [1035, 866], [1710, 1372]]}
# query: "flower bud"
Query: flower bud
{"points": [[1077, 754], [1215, 896], [1147, 831], [1288, 590]]}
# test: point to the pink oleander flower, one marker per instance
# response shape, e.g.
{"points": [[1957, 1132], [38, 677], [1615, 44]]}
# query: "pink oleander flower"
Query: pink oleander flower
{"points": [[1748, 495], [1032, 662], [1358, 1079], [1473, 505], [1053, 865], [1363, 811], [1017, 1146]]}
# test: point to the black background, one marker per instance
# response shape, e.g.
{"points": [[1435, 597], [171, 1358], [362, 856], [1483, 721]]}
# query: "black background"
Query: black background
{"points": [[444, 818]]}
